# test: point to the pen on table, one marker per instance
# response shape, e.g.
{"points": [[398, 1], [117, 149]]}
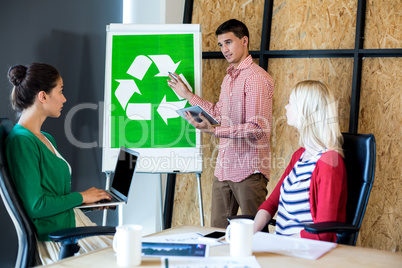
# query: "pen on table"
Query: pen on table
{"points": [[175, 77]]}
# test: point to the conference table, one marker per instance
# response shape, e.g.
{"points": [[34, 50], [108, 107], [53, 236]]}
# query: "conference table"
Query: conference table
{"points": [[341, 256]]}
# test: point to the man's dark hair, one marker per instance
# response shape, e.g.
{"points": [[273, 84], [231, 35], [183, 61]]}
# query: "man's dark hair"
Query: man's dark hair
{"points": [[238, 28]]}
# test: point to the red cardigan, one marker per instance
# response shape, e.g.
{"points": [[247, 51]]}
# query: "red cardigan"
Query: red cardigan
{"points": [[328, 192]]}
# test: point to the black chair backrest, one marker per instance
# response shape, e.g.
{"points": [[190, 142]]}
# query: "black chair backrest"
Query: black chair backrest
{"points": [[359, 160], [26, 231]]}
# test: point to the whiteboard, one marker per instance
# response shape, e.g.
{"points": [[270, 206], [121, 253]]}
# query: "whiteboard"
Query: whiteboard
{"points": [[139, 107]]}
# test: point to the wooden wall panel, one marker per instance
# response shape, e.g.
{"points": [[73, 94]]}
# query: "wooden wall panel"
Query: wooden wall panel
{"points": [[211, 14], [381, 114], [383, 24], [309, 24], [185, 210]]}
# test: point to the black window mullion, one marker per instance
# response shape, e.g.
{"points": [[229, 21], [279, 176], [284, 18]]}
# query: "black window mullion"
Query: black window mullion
{"points": [[357, 67], [385, 52], [266, 33], [188, 11]]}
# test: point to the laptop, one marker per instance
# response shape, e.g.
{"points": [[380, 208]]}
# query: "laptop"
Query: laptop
{"points": [[123, 176]]}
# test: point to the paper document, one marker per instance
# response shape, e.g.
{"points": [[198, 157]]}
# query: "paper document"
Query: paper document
{"points": [[291, 246], [211, 262], [188, 238]]}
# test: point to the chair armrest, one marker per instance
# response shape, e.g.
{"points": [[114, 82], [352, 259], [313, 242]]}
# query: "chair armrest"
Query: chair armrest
{"points": [[271, 221], [265, 229], [331, 227], [81, 232], [249, 217], [69, 237]]}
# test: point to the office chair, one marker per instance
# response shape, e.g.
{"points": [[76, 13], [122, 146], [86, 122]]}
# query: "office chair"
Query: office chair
{"points": [[359, 160], [25, 229], [359, 150]]}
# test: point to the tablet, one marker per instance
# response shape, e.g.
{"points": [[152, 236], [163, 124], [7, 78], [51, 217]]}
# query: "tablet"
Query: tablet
{"points": [[161, 249], [195, 111]]}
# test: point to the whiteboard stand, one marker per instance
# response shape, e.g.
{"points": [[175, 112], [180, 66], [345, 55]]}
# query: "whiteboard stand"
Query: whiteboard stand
{"points": [[108, 173], [161, 203], [169, 199], [120, 208], [200, 198]]}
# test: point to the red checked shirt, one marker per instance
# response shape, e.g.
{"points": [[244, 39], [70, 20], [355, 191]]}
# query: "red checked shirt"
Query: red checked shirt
{"points": [[244, 111]]}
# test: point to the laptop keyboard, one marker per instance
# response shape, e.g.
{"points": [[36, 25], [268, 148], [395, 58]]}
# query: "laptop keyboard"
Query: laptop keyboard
{"points": [[114, 199]]}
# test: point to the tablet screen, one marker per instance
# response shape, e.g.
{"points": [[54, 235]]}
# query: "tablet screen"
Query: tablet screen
{"points": [[195, 111]]}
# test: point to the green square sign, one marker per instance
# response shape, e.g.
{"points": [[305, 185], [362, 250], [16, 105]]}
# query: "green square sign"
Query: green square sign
{"points": [[142, 104]]}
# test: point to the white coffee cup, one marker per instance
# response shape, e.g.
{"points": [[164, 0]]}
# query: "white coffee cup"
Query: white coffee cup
{"points": [[127, 244], [240, 236]]}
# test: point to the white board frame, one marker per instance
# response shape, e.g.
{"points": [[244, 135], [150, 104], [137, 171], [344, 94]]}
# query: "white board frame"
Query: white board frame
{"points": [[153, 160]]}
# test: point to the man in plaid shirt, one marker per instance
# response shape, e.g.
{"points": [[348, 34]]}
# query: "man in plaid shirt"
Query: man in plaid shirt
{"points": [[244, 111]]}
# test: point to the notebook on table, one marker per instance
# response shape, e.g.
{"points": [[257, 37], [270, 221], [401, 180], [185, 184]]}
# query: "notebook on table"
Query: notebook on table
{"points": [[123, 176]]}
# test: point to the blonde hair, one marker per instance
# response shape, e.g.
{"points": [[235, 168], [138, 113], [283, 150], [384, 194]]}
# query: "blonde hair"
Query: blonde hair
{"points": [[317, 115]]}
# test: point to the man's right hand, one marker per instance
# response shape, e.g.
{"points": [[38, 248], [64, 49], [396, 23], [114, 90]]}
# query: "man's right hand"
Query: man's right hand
{"points": [[179, 87]]}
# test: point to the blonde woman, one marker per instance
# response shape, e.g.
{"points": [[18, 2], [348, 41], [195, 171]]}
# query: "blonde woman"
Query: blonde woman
{"points": [[313, 187]]}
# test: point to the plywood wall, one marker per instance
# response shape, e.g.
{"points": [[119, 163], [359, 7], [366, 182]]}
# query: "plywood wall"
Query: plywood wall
{"points": [[314, 24], [383, 24], [309, 24], [381, 114], [211, 13], [185, 210]]}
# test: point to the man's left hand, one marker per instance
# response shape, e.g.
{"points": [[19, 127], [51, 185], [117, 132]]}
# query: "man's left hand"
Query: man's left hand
{"points": [[204, 126]]}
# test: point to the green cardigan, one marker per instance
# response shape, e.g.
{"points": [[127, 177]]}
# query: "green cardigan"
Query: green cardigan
{"points": [[43, 182]]}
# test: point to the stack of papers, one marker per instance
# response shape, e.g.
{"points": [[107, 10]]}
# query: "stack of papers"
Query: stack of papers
{"points": [[189, 238], [207, 262], [291, 246], [211, 262]]}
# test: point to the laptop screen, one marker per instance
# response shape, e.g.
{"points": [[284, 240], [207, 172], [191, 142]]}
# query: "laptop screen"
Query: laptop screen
{"points": [[124, 172]]}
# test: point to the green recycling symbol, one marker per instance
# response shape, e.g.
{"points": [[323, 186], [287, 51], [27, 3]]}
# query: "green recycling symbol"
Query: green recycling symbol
{"points": [[128, 87], [144, 114]]}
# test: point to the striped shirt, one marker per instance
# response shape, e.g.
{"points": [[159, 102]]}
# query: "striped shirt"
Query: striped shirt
{"points": [[244, 111], [294, 207]]}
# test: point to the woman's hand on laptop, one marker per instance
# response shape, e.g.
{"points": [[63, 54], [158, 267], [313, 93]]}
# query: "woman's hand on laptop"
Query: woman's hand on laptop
{"points": [[93, 195], [102, 208]]}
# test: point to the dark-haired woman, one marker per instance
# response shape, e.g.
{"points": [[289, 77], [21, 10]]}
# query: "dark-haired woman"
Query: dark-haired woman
{"points": [[41, 175]]}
